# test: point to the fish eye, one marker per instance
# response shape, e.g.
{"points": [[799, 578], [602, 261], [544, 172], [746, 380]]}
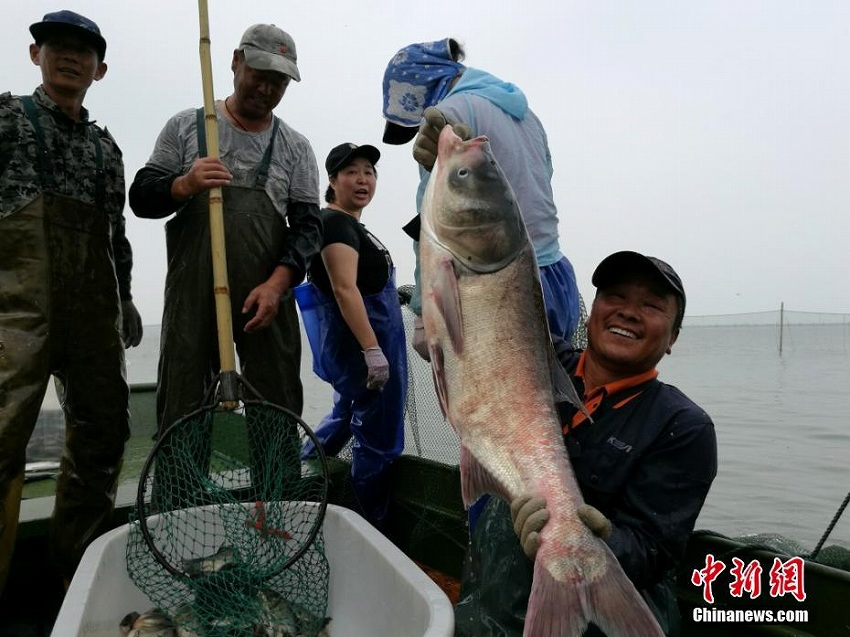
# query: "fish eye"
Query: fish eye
{"points": [[463, 173]]}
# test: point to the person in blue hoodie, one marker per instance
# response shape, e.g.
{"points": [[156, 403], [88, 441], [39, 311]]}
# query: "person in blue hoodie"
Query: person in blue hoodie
{"points": [[425, 87]]}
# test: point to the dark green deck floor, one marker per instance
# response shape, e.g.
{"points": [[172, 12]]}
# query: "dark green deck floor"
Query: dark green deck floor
{"points": [[428, 524]]}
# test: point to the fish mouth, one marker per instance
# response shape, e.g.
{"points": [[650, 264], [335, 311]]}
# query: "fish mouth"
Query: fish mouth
{"points": [[623, 332]]}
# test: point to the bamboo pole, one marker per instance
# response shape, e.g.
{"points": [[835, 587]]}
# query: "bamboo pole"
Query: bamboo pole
{"points": [[221, 287]]}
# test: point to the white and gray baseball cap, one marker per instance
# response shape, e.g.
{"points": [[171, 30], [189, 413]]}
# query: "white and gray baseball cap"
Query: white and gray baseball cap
{"points": [[269, 48]]}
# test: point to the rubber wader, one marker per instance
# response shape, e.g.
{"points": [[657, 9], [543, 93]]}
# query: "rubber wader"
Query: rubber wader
{"points": [[60, 313], [270, 358]]}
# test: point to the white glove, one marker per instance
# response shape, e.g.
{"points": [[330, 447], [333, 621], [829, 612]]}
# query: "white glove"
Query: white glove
{"points": [[378, 368]]}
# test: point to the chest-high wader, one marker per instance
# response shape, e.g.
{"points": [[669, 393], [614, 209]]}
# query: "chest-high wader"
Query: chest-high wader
{"points": [[374, 418], [59, 313], [269, 358]]}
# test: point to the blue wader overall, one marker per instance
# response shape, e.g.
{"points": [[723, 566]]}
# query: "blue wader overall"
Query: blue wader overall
{"points": [[374, 418]]}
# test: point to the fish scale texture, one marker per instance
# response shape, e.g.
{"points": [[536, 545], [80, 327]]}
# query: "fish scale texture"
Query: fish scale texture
{"points": [[491, 355]]}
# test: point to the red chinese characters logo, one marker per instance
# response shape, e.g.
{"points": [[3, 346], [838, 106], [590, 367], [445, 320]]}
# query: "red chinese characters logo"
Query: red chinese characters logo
{"points": [[705, 577], [785, 578], [747, 578]]}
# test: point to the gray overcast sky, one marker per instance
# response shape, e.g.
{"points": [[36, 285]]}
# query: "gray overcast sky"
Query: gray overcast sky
{"points": [[715, 134]]}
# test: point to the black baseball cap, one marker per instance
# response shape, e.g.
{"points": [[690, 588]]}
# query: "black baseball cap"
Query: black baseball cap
{"points": [[66, 21], [614, 267], [397, 135], [342, 155]]}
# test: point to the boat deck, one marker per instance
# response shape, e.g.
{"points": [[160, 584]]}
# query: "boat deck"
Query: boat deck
{"points": [[428, 523]]}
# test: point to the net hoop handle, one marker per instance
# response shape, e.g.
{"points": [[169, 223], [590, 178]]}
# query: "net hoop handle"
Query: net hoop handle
{"points": [[141, 508]]}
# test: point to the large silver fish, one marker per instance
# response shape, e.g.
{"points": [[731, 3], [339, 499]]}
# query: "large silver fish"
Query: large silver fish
{"points": [[493, 364]]}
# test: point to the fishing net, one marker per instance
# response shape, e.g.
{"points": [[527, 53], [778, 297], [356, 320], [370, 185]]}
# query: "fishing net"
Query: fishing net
{"points": [[579, 340], [226, 535]]}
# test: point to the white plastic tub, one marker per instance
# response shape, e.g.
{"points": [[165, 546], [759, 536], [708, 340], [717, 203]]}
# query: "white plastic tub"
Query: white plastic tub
{"points": [[375, 589]]}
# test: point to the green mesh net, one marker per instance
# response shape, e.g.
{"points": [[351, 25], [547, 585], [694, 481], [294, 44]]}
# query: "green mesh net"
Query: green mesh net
{"points": [[226, 538]]}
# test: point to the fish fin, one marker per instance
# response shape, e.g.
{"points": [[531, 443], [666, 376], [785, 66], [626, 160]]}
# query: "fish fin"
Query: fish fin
{"points": [[439, 372], [564, 389], [475, 480], [447, 296], [618, 609], [610, 601], [554, 608]]}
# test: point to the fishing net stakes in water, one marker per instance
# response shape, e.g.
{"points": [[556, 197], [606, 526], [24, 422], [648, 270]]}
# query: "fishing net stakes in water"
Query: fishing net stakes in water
{"points": [[226, 534]]}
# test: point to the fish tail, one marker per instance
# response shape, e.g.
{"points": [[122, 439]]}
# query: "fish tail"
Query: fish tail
{"points": [[555, 609], [618, 609], [563, 609]]}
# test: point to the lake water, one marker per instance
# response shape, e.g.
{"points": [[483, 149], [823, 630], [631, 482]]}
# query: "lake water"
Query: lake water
{"points": [[782, 421]]}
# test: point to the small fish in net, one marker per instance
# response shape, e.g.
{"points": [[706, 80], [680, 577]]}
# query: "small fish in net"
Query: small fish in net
{"points": [[226, 536]]}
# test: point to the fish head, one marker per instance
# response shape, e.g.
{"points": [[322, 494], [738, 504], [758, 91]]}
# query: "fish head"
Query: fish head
{"points": [[151, 623], [469, 208], [126, 624]]}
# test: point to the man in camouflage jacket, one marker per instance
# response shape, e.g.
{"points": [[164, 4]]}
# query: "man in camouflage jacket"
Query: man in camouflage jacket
{"points": [[65, 302]]}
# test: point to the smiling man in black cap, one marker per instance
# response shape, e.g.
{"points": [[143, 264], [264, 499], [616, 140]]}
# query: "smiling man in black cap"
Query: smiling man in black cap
{"points": [[65, 263], [644, 461]]}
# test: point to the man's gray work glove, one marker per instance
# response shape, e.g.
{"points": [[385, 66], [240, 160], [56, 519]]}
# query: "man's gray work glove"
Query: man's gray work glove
{"points": [[425, 146], [131, 324], [529, 515], [593, 519], [420, 343], [378, 369]]}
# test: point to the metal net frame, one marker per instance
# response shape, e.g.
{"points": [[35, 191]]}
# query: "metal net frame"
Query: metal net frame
{"points": [[226, 536]]}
